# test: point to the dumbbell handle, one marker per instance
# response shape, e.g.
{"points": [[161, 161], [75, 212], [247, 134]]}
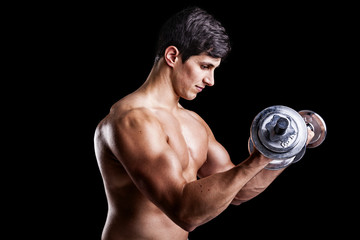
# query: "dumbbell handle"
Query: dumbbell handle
{"points": [[281, 126]]}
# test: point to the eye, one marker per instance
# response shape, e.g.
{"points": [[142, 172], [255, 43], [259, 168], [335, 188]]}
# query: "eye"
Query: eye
{"points": [[204, 67]]}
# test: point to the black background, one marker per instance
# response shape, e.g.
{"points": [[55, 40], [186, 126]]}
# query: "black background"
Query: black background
{"points": [[88, 56]]}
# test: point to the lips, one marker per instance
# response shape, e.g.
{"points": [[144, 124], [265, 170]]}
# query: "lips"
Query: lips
{"points": [[199, 88]]}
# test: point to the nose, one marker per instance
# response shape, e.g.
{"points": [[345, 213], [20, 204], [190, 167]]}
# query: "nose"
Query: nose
{"points": [[209, 80]]}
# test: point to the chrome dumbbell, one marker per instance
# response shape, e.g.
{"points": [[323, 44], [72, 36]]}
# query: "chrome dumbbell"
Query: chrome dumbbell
{"points": [[280, 133]]}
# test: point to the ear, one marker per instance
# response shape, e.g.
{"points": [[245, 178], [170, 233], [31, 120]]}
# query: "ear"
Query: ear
{"points": [[171, 55]]}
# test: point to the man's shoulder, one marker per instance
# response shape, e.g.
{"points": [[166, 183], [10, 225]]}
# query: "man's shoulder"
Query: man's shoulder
{"points": [[130, 124], [131, 116], [128, 107], [137, 114], [126, 111]]}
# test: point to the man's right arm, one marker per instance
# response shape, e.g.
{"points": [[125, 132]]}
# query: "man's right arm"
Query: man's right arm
{"points": [[140, 144]]}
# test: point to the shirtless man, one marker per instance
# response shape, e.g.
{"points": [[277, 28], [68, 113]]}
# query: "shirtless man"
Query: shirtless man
{"points": [[163, 170]]}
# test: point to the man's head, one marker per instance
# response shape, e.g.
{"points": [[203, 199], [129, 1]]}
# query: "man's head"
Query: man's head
{"points": [[193, 32]]}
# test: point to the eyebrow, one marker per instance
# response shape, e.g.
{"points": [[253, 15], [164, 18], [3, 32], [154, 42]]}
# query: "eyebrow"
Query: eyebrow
{"points": [[207, 63]]}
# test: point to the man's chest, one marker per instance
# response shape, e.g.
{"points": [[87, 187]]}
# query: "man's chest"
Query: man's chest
{"points": [[187, 137]]}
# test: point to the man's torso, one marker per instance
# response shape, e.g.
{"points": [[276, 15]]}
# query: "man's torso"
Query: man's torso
{"points": [[130, 213]]}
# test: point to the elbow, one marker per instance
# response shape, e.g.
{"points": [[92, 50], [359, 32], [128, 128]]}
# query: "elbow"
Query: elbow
{"points": [[186, 220], [188, 227], [236, 203], [187, 223]]}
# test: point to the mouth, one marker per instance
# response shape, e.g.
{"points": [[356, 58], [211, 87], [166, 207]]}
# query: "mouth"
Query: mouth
{"points": [[199, 88]]}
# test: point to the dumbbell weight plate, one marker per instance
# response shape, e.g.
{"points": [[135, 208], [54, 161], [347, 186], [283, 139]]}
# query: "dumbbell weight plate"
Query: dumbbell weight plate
{"points": [[275, 149], [318, 126], [277, 164], [299, 155]]}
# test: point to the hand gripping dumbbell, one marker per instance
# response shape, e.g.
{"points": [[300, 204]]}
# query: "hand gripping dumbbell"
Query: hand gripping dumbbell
{"points": [[280, 133]]}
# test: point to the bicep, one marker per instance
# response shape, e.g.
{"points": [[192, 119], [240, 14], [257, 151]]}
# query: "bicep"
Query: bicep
{"points": [[218, 159]]}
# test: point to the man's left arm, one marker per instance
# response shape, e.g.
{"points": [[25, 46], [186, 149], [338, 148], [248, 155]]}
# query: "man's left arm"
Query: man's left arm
{"points": [[261, 181], [256, 185], [218, 160]]}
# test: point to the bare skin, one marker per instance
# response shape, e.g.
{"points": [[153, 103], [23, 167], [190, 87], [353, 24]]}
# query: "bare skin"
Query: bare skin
{"points": [[164, 172]]}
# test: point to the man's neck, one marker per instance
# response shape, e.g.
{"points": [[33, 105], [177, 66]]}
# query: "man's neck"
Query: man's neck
{"points": [[159, 89]]}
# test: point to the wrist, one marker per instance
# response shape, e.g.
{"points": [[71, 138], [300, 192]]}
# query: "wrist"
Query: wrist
{"points": [[260, 158]]}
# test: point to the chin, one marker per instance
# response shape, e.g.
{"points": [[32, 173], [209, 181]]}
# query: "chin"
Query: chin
{"points": [[189, 98]]}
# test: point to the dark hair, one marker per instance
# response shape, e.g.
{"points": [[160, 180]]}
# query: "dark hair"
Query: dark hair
{"points": [[193, 31]]}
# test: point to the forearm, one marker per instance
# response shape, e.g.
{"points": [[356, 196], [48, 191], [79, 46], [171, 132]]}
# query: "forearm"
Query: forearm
{"points": [[256, 185], [207, 197], [262, 180]]}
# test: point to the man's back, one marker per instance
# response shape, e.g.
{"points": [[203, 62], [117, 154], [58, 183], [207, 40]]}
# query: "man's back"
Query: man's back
{"points": [[132, 215]]}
